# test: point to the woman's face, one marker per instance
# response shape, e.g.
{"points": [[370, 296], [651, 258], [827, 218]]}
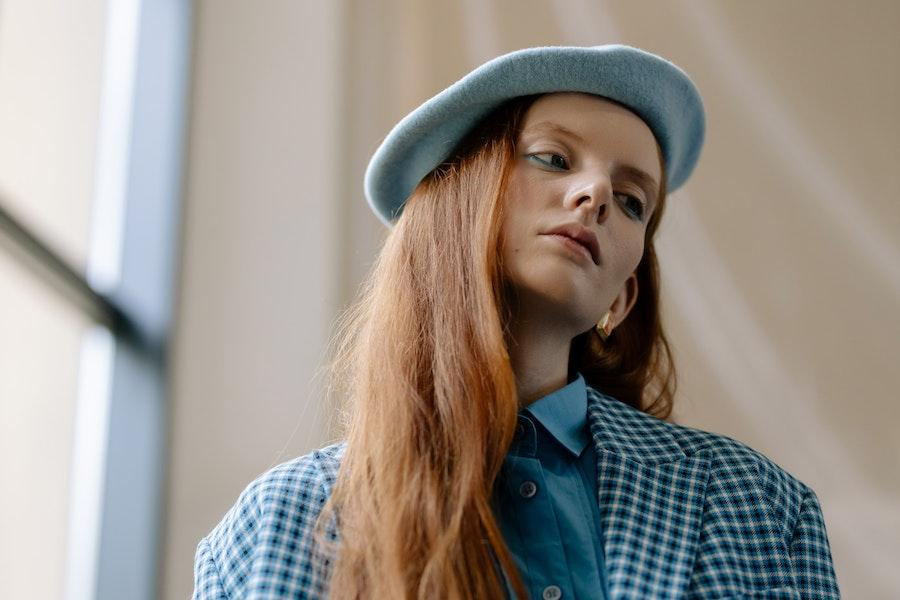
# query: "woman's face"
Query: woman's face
{"points": [[577, 170]]}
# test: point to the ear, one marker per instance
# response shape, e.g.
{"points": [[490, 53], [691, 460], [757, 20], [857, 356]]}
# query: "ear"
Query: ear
{"points": [[624, 301]]}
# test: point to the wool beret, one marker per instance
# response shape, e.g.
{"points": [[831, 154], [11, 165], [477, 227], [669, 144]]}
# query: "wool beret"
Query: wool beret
{"points": [[650, 86]]}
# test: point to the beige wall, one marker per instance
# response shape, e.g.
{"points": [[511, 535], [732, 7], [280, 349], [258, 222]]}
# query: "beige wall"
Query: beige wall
{"points": [[258, 285], [781, 258]]}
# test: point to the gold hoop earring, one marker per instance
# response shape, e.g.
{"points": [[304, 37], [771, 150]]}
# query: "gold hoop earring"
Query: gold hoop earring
{"points": [[604, 327]]}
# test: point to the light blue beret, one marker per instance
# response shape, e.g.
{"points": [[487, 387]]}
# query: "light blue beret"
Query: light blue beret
{"points": [[652, 87]]}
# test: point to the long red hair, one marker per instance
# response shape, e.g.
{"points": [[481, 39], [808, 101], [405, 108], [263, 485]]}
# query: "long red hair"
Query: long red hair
{"points": [[422, 361]]}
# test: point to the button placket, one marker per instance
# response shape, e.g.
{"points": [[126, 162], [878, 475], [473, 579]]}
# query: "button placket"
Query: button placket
{"points": [[526, 480], [520, 432], [524, 437]]}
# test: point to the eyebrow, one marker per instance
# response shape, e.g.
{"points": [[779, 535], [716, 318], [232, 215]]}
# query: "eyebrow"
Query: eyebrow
{"points": [[642, 178], [556, 127]]}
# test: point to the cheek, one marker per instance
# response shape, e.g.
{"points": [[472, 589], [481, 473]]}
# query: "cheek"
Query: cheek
{"points": [[637, 254], [512, 246], [525, 196], [630, 254], [517, 223], [510, 241]]}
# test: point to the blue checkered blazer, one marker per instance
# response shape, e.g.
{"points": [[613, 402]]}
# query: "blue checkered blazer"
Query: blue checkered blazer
{"points": [[686, 514]]}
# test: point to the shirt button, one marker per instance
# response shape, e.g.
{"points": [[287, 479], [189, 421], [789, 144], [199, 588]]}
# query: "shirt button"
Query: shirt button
{"points": [[552, 592], [527, 489]]}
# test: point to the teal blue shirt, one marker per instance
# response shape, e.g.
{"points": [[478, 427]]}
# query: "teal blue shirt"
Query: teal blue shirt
{"points": [[546, 499]]}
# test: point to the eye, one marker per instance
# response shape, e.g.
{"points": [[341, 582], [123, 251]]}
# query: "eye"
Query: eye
{"points": [[557, 161], [633, 205]]}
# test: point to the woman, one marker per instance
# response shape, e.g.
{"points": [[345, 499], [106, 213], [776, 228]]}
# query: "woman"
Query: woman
{"points": [[509, 379]]}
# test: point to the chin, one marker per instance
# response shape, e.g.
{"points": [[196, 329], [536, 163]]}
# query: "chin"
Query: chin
{"points": [[555, 281]]}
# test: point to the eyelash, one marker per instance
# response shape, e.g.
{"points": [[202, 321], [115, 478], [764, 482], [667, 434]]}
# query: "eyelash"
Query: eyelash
{"points": [[638, 213]]}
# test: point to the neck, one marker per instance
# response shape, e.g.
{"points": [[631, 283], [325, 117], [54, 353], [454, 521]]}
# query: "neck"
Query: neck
{"points": [[540, 358]]}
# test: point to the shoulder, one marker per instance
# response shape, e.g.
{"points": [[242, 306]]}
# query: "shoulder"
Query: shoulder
{"points": [[299, 485], [265, 540], [734, 468], [734, 462], [754, 521]]}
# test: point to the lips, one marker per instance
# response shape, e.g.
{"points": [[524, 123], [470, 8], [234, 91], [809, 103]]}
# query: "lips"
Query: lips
{"points": [[581, 235]]}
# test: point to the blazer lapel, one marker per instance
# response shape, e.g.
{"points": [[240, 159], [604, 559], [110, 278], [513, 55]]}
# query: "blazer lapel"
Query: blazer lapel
{"points": [[651, 501]]}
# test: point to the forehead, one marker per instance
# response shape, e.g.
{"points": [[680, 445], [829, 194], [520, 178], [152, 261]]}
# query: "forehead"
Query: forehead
{"points": [[602, 124]]}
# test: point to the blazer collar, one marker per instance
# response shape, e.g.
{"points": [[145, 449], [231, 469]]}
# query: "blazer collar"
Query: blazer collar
{"points": [[617, 427], [651, 499]]}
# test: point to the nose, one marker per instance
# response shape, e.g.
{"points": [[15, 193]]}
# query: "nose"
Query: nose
{"points": [[591, 195]]}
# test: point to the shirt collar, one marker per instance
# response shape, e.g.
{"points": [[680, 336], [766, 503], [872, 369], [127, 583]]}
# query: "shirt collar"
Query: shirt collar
{"points": [[564, 414]]}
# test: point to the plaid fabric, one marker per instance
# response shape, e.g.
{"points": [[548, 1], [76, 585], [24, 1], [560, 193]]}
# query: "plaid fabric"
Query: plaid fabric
{"points": [[686, 514]]}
